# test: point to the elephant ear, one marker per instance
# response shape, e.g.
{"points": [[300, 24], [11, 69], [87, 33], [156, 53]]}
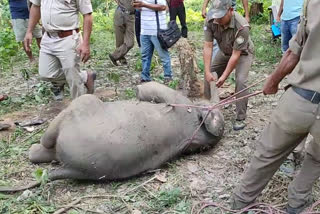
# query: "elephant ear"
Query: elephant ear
{"points": [[214, 123]]}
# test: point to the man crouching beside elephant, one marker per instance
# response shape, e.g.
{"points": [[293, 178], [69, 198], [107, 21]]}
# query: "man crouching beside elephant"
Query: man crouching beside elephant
{"points": [[116, 140]]}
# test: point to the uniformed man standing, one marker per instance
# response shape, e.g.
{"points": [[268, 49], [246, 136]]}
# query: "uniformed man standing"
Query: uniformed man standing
{"points": [[124, 30], [231, 31], [297, 115], [62, 46]]}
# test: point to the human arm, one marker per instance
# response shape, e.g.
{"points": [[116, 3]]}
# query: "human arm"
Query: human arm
{"points": [[34, 18], [204, 8], [278, 18], [84, 47], [155, 7], [286, 66], [233, 61], [246, 9]]}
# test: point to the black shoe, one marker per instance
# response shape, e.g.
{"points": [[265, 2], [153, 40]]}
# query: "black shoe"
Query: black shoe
{"points": [[144, 81], [167, 80], [239, 125], [58, 92], [123, 61], [113, 60], [298, 210]]}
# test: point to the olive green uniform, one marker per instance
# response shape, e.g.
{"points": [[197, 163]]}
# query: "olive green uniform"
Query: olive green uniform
{"points": [[295, 117], [59, 61], [234, 37], [123, 28]]}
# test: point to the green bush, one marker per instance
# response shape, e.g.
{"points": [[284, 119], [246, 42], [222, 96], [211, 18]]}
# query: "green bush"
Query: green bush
{"points": [[8, 44]]}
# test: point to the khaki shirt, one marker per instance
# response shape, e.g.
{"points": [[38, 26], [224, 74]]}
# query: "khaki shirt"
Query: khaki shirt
{"points": [[126, 4], [234, 37], [58, 15], [306, 44]]}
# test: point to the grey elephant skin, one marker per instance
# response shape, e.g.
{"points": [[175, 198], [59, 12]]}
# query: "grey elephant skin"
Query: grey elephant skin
{"points": [[117, 140]]}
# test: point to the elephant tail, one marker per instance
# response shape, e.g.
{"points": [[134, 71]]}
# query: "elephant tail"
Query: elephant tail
{"points": [[21, 188], [8, 189]]}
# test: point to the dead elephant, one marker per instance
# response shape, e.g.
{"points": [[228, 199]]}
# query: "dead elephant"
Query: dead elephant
{"points": [[116, 140]]}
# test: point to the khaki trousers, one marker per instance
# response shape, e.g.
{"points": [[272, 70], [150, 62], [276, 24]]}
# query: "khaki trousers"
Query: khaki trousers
{"points": [[219, 64], [124, 32], [59, 62], [290, 123]]}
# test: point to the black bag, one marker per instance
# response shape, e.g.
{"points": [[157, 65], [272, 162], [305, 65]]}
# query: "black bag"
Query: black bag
{"points": [[170, 36]]}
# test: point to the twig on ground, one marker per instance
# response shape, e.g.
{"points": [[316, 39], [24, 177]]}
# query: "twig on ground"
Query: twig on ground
{"points": [[32, 135], [144, 183]]}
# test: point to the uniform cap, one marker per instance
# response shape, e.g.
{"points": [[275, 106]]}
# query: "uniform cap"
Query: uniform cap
{"points": [[219, 9]]}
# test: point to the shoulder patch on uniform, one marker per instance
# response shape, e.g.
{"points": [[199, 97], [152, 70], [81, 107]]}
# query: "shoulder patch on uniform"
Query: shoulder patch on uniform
{"points": [[240, 40]]}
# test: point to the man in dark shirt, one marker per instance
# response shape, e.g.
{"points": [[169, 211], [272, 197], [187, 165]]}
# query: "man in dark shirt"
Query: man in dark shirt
{"points": [[176, 8], [20, 17]]}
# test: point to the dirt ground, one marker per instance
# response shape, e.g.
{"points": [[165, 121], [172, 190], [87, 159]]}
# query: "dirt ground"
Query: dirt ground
{"points": [[174, 188]]}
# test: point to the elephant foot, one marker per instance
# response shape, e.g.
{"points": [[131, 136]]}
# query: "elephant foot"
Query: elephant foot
{"points": [[39, 154]]}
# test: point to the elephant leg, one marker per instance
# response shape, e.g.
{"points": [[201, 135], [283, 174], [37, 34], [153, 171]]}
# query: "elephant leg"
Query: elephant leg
{"points": [[67, 173], [49, 138], [159, 93], [39, 154]]}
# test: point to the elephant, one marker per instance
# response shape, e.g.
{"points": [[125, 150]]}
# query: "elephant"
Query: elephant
{"points": [[107, 141]]}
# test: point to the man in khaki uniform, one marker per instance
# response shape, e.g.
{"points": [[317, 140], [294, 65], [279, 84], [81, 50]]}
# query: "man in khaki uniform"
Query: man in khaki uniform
{"points": [[231, 31], [124, 30], [62, 46], [297, 115]]}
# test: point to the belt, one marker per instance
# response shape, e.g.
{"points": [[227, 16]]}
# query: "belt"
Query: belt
{"points": [[126, 11], [309, 95], [63, 33]]}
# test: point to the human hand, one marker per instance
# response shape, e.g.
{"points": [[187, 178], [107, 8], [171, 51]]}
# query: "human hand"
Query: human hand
{"points": [[220, 81], [248, 18], [278, 19], [209, 77], [27, 41], [84, 52], [204, 13], [270, 87], [138, 4]]}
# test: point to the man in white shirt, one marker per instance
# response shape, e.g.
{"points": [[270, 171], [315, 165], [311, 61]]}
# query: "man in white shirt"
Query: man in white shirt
{"points": [[149, 40]]}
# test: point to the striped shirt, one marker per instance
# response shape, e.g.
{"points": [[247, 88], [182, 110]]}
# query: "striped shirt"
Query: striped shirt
{"points": [[149, 20]]}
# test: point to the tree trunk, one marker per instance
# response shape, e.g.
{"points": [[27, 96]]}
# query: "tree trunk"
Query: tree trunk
{"points": [[188, 82], [256, 9]]}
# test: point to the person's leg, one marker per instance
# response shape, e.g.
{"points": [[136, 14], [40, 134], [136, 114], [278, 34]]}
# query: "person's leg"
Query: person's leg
{"points": [[182, 17], [70, 61], [289, 124], [119, 31], [242, 72], [138, 26], [285, 35], [50, 70], [173, 13], [20, 27], [128, 37], [218, 66], [164, 56], [300, 189], [146, 56], [294, 26]]}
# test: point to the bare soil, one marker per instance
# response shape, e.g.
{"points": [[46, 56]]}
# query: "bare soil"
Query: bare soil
{"points": [[175, 188]]}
